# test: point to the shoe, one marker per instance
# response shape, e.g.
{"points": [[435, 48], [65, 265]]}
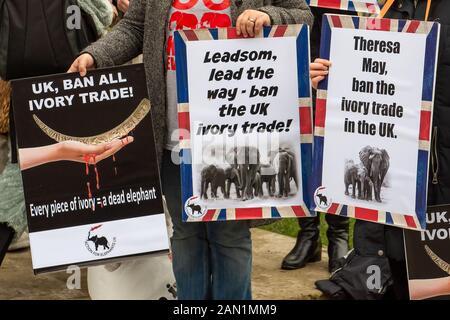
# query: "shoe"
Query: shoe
{"points": [[338, 238], [22, 243], [304, 251]]}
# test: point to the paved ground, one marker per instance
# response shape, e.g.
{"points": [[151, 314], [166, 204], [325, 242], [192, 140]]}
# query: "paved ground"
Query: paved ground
{"points": [[269, 282]]}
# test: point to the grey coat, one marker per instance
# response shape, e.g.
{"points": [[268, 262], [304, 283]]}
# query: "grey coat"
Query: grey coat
{"points": [[143, 29]]}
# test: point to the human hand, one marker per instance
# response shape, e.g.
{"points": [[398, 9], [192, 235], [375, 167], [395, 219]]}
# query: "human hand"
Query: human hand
{"points": [[429, 288], [318, 70], [82, 64], [123, 5], [251, 23], [115, 14], [81, 152], [70, 151]]}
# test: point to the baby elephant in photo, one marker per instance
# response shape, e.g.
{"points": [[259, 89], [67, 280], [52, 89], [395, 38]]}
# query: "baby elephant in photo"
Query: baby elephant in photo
{"points": [[268, 176], [351, 178], [365, 183], [232, 176], [211, 175], [377, 162], [207, 176], [218, 181]]}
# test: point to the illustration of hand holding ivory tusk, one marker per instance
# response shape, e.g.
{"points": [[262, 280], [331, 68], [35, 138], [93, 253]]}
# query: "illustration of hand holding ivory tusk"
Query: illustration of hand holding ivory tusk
{"points": [[444, 266], [122, 130], [89, 150]]}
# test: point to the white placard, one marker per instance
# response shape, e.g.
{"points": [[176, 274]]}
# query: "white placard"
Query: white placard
{"points": [[282, 104], [404, 70]]}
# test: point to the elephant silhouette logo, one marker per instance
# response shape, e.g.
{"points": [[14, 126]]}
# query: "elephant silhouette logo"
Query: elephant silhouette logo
{"points": [[215, 20], [181, 20], [322, 199], [99, 245], [193, 209]]}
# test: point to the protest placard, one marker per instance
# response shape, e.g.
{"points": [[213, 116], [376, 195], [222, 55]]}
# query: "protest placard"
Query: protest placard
{"points": [[363, 6], [428, 257], [89, 167], [373, 114], [245, 123]]}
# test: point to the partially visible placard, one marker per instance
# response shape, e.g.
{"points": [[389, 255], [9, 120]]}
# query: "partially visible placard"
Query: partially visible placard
{"points": [[89, 167], [428, 257], [363, 6]]}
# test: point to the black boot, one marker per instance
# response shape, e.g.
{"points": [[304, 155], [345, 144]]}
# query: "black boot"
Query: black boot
{"points": [[6, 236], [308, 247], [338, 230]]}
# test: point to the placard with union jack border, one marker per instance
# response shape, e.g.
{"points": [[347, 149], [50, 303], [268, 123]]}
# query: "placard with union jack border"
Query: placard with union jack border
{"points": [[222, 82], [373, 119], [363, 6]]}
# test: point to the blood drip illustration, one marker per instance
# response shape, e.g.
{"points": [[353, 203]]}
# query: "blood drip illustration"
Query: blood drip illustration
{"points": [[115, 167], [88, 159], [97, 177], [89, 190]]}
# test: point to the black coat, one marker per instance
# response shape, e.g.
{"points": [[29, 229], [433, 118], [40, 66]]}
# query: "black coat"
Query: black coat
{"points": [[439, 178], [376, 240], [391, 239]]}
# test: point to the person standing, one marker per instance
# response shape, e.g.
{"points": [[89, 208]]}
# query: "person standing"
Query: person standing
{"points": [[27, 52], [211, 260], [386, 242], [308, 247]]}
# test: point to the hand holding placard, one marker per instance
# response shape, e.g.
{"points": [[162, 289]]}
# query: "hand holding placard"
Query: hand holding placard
{"points": [[373, 111]]}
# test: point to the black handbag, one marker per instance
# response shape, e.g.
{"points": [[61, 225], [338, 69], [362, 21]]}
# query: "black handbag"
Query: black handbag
{"points": [[351, 281]]}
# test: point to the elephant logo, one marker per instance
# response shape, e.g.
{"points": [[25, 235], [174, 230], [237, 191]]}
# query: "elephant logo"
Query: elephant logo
{"points": [[98, 245], [181, 20], [193, 209], [215, 20], [322, 199]]}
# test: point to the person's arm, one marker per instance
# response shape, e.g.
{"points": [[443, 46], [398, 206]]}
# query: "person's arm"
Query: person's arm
{"points": [[426, 289], [70, 151], [124, 42], [279, 12], [288, 12]]}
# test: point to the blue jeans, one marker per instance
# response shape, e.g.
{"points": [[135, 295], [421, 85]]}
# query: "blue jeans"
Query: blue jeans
{"points": [[211, 260]]}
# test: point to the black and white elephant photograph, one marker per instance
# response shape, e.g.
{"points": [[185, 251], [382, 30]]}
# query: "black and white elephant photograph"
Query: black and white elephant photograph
{"points": [[365, 179], [248, 175]]}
